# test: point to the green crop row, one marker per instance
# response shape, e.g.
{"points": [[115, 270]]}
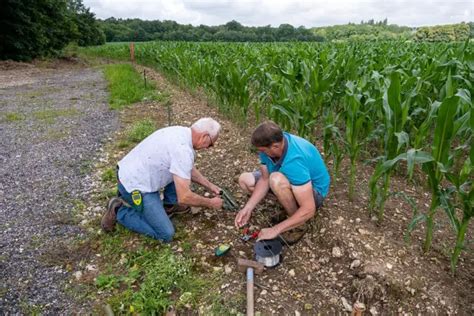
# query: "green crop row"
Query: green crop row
{"points": [[387, 102]]}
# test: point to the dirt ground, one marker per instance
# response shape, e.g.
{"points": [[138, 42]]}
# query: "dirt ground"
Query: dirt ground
{"points": [[345, 257]]}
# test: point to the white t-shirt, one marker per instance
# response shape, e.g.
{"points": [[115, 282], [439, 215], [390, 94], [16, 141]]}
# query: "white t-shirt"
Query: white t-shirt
{"points": [[151, 164]]}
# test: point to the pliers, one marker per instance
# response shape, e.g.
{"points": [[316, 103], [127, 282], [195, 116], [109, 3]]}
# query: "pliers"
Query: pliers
{"points": [[247, 236]]}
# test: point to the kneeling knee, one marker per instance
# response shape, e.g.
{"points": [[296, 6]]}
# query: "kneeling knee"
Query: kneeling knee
{"points": [[168, 234], [246, 181], [278, 181]]}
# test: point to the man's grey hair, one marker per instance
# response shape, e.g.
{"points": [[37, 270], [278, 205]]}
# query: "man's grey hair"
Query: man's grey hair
{"points": [[207, 124]]}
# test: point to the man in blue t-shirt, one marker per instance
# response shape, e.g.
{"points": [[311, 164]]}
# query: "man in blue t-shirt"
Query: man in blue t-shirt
{"points": [[295, 172]]}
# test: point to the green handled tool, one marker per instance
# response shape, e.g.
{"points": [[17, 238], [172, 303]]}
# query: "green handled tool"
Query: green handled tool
{"points": [[229, 202]]}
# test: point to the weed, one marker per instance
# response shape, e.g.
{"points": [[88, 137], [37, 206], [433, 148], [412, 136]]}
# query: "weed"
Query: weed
{"points": [[107, 281], [109, 175], [49, 115], [140, 130], [13, 117], [123, 144], [30, 309]]}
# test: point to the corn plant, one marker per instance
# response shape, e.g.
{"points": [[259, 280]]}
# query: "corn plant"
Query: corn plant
{"points": [[395, 116], [356, 107]]}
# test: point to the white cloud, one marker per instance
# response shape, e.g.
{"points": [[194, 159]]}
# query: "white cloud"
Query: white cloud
{"points": [[296, 12]]}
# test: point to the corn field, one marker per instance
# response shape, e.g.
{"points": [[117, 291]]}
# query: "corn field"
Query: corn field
{"points": [[388, 102]]}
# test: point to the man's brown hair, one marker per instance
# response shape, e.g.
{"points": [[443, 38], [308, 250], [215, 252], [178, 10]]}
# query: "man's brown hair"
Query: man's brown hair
{"points": [[266, 134]]}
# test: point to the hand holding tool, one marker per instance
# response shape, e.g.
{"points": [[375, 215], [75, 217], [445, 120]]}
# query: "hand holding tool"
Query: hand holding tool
{"points": [[229, 201]]}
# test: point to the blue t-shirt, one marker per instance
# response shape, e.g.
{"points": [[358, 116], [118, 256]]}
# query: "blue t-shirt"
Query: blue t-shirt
{"points": [[302, 163]]}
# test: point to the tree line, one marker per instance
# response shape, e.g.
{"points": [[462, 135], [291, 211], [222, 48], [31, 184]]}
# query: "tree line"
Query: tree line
{"points": [[124, 30], [36, 28]]}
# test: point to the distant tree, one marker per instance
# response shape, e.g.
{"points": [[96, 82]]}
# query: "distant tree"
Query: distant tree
{"points": [[234, 26], [30, 29], [86, 30], [34, 28]]}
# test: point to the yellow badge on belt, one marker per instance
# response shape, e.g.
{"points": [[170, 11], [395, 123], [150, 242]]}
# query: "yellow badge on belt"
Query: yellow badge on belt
{"points": [[137, 197]]}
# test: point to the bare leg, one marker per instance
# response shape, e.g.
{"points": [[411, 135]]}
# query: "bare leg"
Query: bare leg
{"points": [[247, 182], [282, 189]]}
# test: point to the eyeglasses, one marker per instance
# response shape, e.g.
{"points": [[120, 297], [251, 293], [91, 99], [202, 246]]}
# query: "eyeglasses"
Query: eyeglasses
{"points": [[210, 141]]}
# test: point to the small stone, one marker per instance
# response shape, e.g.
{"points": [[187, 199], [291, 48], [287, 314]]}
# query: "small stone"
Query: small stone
{"points": [[355, 264], [207, 194], [339, 220], [308, 306], [346, 304], [363, 231], [373, 311], [297, 313], [241, 253], [98, 209], [292, 273], [357, 220], [91, 267], [389, 266], [336, 252], [353, 255], [77, 275], [195, 210], [227, 269], [263, 292]]}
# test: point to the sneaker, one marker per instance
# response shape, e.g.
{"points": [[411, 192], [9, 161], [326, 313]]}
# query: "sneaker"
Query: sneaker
{"points": [[110, 217], [176, 209]]}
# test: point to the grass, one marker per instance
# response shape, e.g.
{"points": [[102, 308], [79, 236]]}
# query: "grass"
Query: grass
{"points": [[50, 115], [108, 175], [126, 86], [140, 130], [13, 117], [145, 276]]}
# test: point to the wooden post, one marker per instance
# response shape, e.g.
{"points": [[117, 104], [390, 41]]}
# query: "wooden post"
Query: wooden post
{"points": [[132, 51]]}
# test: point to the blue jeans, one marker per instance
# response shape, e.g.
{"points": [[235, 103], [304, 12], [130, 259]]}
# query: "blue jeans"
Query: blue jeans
{"points": [[152, 220]]}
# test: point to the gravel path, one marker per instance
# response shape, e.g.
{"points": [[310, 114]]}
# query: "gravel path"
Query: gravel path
{"points": [[52, 126]]}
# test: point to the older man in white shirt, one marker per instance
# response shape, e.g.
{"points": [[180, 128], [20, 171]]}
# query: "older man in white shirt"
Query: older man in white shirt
{"points": [[163, 160]]}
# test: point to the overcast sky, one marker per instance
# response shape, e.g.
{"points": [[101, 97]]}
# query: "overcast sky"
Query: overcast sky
{"points": [[308, 13]]}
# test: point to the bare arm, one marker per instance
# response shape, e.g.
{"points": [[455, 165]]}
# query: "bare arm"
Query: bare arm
{"points": [[261, 189], [198, 178], [188, 197]]}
